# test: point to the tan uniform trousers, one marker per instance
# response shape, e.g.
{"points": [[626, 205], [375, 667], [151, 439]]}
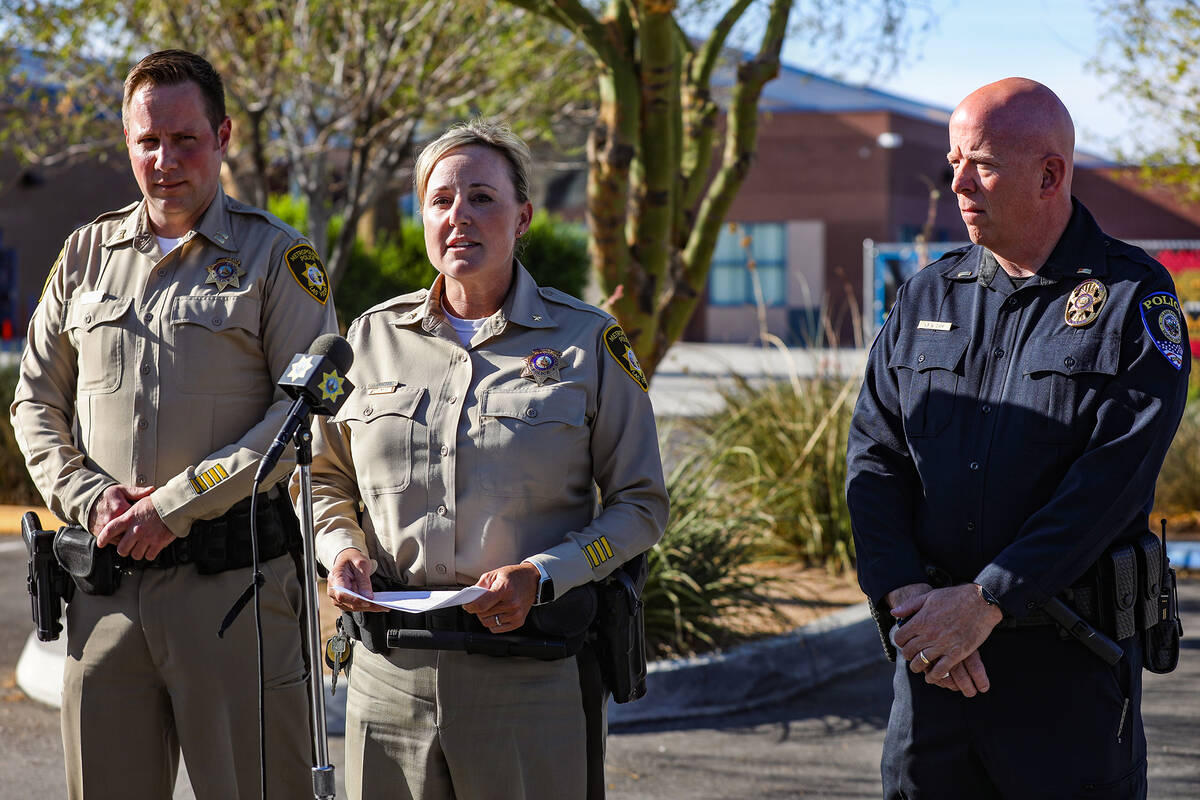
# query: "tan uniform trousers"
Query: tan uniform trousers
{"points": [[146, 676], [440, 725]]}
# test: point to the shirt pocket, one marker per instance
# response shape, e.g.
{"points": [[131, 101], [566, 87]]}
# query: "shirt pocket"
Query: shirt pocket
{"points": [[381, 432], [98, 332], [530, 440], [1062, 379], [215, 345], [928, 368]]}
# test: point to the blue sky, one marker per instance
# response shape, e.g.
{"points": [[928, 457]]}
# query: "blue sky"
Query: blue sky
{"points": [[971, 43]]}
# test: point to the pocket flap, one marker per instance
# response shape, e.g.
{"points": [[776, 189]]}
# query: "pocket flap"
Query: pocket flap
{"points": [[86, 316], [1098, 354], [536, 405], [929, 350], [217, 312], [364, 407]]}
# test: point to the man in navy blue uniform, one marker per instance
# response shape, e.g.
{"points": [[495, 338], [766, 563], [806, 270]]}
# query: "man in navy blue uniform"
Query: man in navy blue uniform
{"points": [[1016, 410]]}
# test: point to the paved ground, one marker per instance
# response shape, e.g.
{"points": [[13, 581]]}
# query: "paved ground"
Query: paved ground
{"points": [[824, 743]]}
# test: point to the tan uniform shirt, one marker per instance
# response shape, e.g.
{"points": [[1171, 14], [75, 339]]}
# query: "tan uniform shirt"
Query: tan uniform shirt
{"points": [[151, 369], [465, 465]]}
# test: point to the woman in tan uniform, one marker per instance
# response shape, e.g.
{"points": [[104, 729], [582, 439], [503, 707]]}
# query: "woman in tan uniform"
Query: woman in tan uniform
{"points": [[489, 411]]}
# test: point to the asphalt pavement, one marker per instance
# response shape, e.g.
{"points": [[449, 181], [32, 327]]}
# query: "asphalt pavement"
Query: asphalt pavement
{"points": [[823, 742]]}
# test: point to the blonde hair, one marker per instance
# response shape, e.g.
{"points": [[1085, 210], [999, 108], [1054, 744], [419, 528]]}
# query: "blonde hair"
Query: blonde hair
{"points": [[487, 133]]}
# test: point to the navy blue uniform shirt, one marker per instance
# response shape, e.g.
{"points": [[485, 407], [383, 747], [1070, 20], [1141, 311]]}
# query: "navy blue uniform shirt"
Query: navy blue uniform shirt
{"points": [[996, 441]]}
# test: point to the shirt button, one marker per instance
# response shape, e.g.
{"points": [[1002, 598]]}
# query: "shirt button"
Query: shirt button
{"points": [[216, 322], [987, 409], [162, 272], [441, 569], [453, 400], [368, 411], [142, 424], [87, 318], [998, 352], [463, 357], [921, 358], [445, 451], [148, 318], [1011, 302], [974, 465], [145, 369], [531, 412], [442, 510], [970, 526], [141, 479], [1068, 362]]}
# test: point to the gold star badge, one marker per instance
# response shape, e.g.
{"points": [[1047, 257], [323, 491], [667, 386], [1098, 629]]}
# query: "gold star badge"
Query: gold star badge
{"points": [[1085, 303], [542, 365], [225, 273], [331, 386]]}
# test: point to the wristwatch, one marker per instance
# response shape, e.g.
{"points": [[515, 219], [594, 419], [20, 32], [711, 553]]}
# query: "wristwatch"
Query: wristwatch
{"points": [[545, 587], [988, 597]]}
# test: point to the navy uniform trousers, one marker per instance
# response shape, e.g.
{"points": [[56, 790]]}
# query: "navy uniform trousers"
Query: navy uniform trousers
{"points": [[1057, 723]]}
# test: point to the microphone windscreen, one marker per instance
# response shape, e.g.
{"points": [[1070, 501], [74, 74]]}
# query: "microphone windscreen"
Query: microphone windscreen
{"points": [[335, 348]]}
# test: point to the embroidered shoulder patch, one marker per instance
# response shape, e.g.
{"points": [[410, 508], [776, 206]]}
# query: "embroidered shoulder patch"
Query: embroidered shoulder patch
{"points": [[53, 270], [308, 271], [619, 348], [1163, 319]]}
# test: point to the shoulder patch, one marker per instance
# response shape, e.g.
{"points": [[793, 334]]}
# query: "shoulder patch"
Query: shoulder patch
{"points": [[53, 271], [309, 272], [1163, 319], [617, 344]]}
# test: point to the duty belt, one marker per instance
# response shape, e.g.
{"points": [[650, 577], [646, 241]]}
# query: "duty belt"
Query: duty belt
{"points": [[220, 544]]}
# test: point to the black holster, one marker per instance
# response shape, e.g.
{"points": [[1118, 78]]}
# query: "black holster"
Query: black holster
{"points": [[95, 570], [620, 630]]}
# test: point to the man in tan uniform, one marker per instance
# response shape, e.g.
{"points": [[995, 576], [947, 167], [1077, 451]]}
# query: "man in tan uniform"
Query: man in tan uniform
{"points": [[147, 396]]}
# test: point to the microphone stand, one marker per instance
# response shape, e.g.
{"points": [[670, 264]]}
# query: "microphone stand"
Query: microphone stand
{"points": [[324, 785]]}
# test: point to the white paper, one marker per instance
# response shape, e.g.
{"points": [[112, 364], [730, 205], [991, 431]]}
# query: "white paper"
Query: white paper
{"points": [[422, 600]]}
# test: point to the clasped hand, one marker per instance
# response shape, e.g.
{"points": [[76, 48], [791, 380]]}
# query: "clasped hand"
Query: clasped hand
{"points": [[943, 632]]}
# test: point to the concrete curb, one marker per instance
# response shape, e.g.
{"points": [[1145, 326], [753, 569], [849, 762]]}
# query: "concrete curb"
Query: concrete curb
{"points": [[755, 674]]}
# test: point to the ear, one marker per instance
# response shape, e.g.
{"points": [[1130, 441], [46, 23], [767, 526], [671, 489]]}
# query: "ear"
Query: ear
{"points": [[524, 218], [1054, 175], [223, 133]]}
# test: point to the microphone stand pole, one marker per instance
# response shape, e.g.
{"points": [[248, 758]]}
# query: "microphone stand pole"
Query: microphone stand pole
{"points": [[324, 785]]}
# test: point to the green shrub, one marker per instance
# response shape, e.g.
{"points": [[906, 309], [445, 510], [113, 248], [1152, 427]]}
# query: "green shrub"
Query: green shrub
{"points": [[698, 577], [797, 432], [16, 488], [554, 252]]}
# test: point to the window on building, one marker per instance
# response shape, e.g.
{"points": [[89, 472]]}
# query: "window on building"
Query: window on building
{"points": [[730, 282]]}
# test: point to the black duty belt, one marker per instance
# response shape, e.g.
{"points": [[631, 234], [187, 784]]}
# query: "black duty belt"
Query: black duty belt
{"points": [[217, 545]]}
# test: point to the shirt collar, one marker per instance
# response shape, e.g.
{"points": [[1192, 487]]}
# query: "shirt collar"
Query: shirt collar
{"points": [[522, 305], [214, 225]]}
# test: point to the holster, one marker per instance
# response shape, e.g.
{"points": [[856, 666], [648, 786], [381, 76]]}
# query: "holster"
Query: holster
{"points": [[620, 630], [1160, 637], [95, 570]]}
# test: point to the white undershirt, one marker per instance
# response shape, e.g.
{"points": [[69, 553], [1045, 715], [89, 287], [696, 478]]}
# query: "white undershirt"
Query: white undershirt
{"points": [[167, 245], [465, 328]]}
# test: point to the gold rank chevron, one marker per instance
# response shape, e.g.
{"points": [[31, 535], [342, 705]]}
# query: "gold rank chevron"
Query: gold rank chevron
{"points": [[209, 478], [598, 551]]}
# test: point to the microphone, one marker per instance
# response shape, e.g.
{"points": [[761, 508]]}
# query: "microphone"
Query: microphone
{"points": [[317, 382]]}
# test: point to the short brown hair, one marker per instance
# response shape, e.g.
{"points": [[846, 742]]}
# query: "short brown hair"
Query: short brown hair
{"points": [[483, 132], [173, 67]]}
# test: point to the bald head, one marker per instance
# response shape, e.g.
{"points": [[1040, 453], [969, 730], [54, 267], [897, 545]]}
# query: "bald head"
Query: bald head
{"points": [[1012, 144], [1022, 113]]}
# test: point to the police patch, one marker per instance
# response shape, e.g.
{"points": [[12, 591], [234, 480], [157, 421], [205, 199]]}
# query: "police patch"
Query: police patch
{"points": [[308, 271], [1084, 304], [53, 270], [619, 348], [1164, 322]]}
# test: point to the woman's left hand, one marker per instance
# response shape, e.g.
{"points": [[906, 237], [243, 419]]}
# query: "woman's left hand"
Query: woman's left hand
{"points": [[510, 594]]}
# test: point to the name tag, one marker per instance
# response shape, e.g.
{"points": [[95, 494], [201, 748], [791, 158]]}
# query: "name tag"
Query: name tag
{"points": [[933, 325], [387, 387], [94, 296]]}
